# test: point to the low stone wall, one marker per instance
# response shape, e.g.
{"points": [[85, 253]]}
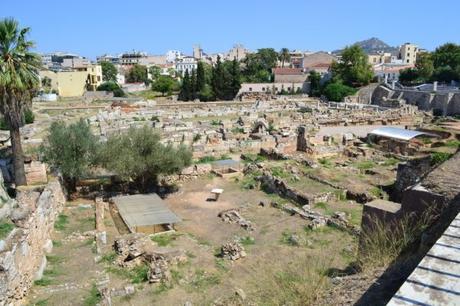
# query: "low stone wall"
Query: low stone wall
{"points": [[278, 186], [22, 252]]}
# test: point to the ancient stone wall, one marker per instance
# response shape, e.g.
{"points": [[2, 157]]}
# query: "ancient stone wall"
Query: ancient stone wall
{"points": [[22, 252], [443, 103]]}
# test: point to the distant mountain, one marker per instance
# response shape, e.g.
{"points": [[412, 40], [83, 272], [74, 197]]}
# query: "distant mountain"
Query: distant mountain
{"points": [[373, 45]]}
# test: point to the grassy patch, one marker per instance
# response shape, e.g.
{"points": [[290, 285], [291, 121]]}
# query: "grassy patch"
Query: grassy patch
{"points": [[325, 162], [93, 298], [203, 280], [247, 241], [109, 257], [439, 157], [136, 275], [165, 239], [453, 143], [54, 259], [221, 264], [61, 222], [279, 172], [390, 162], [365, 165], [45, 281], [57, 243], [6, 227], [41, 303]]}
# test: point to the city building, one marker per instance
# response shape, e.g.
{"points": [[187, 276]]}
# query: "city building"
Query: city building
{"points": [[173, 55], [318, 59], [238, 52], [388, 72], [74, 82], [108, 58], [186, 63], [408, 53], [288, 75]]}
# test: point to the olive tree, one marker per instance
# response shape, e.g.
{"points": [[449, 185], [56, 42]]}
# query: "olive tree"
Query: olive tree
{"points": [[71, 149], [137, 156]]}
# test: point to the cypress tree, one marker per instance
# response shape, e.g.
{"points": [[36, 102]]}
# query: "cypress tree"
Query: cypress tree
{"points": [[185, 91], [200, 77], [193, 85], [218, 80], [236, 78]]}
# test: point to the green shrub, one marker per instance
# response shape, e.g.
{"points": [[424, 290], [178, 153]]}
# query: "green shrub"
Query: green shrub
{"points": [[61, 222], [4, 125], [94, 297], [453, 143], [196, 137], [439, 157], [29, 116], [5, 228]]}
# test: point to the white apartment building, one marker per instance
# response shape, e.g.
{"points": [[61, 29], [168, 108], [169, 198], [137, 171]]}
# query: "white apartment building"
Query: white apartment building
{"points": [[186, 63]]}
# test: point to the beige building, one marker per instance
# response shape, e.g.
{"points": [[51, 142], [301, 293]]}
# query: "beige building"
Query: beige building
{"points": [[408, 53], [379, 58], [74, 83]]}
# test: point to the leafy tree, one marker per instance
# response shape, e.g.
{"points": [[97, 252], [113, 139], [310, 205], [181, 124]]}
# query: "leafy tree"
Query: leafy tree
{"points": [[137, 74], [185, 89], [258, 65], [410, 77], [155, 72], [71, 149], [18, 78], [424, 65], [112, 87], [140, 157], [164, 84], [284, 56], [446, 61], [315, 83], [336, 91], [109, 72], [353, 69]]}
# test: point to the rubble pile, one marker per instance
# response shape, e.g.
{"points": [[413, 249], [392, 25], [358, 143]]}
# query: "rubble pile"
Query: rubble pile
{"points": [[233, 216], [136, 249], [233, 250]]}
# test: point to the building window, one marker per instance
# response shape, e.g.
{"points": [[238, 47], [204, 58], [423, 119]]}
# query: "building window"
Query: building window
{"points": [[408, 54], [250, 88]]}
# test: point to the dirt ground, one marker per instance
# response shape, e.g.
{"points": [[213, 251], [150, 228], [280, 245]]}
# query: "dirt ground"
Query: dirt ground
{"points": [[274, 271]]}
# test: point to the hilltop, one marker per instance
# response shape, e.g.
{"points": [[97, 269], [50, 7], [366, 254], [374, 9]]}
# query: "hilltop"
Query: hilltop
{"points": [[372, 45]]}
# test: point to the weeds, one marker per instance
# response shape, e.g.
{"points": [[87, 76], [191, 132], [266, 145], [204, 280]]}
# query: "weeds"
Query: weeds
{"points": [[439, 157], [203, 280], [383, 242], [109, 257], [247, 241], [164, 239], [44, 281], [5, 228], [61, 222], [93, 298]]}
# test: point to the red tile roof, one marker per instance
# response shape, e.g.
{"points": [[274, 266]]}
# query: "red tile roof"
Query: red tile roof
{"points": [[287, 71]]}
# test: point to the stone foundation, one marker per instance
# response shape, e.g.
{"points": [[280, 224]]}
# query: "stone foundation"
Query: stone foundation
{"points": [[22, 252]]}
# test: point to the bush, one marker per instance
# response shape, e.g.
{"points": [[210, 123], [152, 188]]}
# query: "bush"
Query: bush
{"points": [[5, 228], [29, 116], [111, 87], [4, 125], [337, 91], [439, 157]]}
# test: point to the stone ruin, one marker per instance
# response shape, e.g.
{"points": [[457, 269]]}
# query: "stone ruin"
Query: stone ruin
{"points": [[135, 249], [233, 216], [232, 250]]}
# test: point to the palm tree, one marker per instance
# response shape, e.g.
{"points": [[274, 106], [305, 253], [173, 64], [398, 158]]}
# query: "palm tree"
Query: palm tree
{"points": [[18, 77], [284, 56]]}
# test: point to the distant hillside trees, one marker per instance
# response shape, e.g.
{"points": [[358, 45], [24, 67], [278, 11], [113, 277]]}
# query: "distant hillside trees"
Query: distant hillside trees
{"points": [[220, 82], [109, 72]]}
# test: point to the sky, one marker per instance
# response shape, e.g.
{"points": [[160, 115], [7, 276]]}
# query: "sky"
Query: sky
{"points": [[95, 27]]}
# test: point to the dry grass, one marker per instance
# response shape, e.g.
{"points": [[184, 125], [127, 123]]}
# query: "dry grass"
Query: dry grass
{"points": [[384, 243]]}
